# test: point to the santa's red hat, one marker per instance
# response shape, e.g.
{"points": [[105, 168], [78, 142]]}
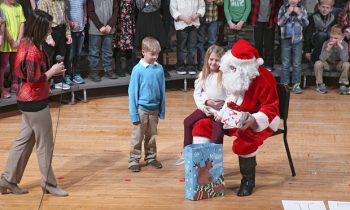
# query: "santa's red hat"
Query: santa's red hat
{"points": [[243, 52]]}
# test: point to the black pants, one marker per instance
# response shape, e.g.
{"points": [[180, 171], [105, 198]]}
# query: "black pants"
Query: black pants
{"points": [[59, 36], [264, 38]]}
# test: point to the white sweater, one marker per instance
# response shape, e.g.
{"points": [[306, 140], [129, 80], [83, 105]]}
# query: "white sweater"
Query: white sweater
{"points": [[211, 90], [187, 8]]}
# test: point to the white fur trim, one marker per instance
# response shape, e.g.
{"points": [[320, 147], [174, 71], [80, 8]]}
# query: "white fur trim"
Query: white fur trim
{"points": [[200, 140], [251, 154], [260, 61], [261, 120], [238, 61], [275, 123]]}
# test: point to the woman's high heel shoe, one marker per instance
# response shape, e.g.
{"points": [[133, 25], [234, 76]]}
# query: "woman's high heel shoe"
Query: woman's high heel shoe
{"points": [[55, 191], [12, 187]]}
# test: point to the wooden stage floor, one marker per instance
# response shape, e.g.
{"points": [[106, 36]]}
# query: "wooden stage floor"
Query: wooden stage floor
{"points": [[92, 150]]}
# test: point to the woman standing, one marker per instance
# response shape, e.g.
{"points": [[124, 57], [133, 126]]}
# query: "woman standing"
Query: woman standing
{"points": [[31, 67]]}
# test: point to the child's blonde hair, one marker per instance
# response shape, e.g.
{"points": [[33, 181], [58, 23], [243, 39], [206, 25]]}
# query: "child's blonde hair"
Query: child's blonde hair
{"points": [[219, 51], [327, 2], [150, 44], [337, 30]]}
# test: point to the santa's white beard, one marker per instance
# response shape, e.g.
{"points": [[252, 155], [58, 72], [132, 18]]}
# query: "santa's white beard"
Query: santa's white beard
{"points": [[237, 82]]}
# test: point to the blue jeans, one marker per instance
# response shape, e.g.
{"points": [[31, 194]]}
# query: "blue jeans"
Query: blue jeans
{"points": [[212, 28], [75, 51], [186, 45], [99, 43], [291, 56]]}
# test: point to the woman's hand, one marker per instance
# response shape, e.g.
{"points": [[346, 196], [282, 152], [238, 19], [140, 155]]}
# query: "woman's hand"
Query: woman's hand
{"points": [[56, 70]]}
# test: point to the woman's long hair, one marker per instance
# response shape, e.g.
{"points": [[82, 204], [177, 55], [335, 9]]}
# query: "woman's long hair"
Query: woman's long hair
{"points": [[219, 51], [38, 27]]}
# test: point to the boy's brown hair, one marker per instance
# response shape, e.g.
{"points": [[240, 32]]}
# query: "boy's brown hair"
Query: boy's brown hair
{"points": [[337, 30], [150, 44], [327, 2]]}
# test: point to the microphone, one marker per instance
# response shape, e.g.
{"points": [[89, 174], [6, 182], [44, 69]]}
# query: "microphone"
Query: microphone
{"points": [[59, 58]]}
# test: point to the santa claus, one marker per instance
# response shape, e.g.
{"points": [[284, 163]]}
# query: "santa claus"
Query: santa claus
{"points": [[250, 112]]}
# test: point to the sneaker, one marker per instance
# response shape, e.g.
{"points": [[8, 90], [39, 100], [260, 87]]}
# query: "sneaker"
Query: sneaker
{"points": [[322, 88], [68, 81], [94, 76], [343, 90], [135, 168], [191, 69], [111, 75], [155, 164], [62, 86], [5, 94], [181, 70], [78, 79], [181, 160], [121, 74], [348, 91], [296, 88], [269, 68], [14, 88]]}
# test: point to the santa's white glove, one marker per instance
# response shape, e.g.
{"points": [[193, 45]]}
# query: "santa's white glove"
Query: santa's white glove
{"points": [[249, 121]]}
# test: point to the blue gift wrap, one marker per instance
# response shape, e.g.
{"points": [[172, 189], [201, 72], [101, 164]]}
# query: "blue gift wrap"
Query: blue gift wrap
{"points": [[204, 171]]}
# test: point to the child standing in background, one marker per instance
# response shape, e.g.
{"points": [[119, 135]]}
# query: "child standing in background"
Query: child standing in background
{"points": [[236, 13], [13, 32], [124, 36], [146, 105], [56, 43], [264, 18], [292, 18], [186, 15], [209, 95], [208, 25], [77, 17]]}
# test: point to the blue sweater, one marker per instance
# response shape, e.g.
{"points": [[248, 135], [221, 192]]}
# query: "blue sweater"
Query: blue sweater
{"points": [[146, 90]]}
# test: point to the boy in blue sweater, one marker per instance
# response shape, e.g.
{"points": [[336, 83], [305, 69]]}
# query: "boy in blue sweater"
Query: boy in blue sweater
{"points": [[146, 105]]}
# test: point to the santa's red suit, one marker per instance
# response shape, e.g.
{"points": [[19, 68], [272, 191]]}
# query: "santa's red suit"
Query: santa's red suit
{"points": [[260, 99]]}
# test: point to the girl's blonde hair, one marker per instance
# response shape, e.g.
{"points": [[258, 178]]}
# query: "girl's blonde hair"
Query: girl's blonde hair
{"points": [[219, 51]]}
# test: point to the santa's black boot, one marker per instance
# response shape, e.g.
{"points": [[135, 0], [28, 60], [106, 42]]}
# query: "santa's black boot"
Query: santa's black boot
{"points": [[247, 169]]}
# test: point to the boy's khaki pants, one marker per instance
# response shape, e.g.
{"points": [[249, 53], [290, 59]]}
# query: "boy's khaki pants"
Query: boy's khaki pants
{"points": [[342, 67], [145, 131]]}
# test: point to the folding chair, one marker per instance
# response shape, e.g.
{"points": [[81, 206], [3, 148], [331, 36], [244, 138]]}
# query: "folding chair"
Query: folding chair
{"points": [[284, 96]]}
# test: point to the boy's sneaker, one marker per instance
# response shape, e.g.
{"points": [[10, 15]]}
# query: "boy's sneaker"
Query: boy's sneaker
{"points": [[135, 168], [322, 88], [68, 80], [181, 70], [62, 86], [111, 75], [181, 160], [155, 164], [191, 69], [5, 94], [343, 90], [78, 79], [296, 88], [94, 76]]}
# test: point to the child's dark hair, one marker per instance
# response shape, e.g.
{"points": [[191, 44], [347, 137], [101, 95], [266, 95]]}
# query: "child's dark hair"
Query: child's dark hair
{"points": [[38, 26]]}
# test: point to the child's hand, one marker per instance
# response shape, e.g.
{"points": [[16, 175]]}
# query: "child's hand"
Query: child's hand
{"points": [[217, 105], [16, 44], [51, 43], [308, 56], [217, 118], [69, 40], [290, 10], [330, 45], [239, 25], [206, 111], [187, 20], [297, 10], [231, 25], [108, 29], [103, 29], [136, 123], [339, 43], [194, 17]]}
